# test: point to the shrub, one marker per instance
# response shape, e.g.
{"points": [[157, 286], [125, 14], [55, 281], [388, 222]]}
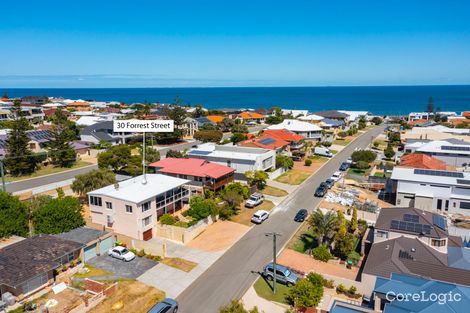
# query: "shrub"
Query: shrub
{"points": [[322, 253], [340, 288], [361, 165], [284, 161], [325, 144], [388, 152], [354, 257], [376, 144], [167, 219], [308, 162], [342, 134], [352, 290], [316, 279], [141, 253], [304, 294], [376, 120], [363, 155]]}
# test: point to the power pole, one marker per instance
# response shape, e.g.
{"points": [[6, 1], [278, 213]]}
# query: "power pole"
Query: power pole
{"points": [[274, 235], [2, 173]]}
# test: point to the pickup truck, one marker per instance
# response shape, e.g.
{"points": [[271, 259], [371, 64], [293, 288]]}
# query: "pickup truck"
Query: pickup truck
{"points": [[254, 200]]}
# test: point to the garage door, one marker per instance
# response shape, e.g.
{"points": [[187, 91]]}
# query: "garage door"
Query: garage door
{"points": [[90, 252], [147, 234], [105, 245]]}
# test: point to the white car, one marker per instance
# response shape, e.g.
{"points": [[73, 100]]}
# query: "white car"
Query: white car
{"points": [[336, 176], [260, 216], [255, 199], [121, 253]]}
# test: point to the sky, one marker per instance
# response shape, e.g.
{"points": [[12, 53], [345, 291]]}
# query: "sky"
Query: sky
{"points": [[201, 43]]}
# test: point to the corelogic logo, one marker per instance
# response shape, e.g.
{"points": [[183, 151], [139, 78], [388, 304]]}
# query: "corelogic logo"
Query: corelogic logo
{"points": [[423, 296]]}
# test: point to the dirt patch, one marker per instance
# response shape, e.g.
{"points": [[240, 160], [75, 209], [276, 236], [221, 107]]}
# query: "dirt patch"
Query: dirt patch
{"points": [[179, 263], [244, 215], [305, 263], [226, 232], [274, 191], [316, 164], [67, 300], [131, 296]]}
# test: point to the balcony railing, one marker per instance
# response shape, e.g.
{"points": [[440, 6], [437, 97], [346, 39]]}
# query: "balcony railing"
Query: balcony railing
{"points": [[175, 197]]}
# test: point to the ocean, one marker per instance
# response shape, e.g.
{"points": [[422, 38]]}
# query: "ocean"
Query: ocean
{"points": [[393, 100]]}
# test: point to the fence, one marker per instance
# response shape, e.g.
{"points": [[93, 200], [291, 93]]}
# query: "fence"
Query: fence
{"points": [[277, 173], [181, 234]]}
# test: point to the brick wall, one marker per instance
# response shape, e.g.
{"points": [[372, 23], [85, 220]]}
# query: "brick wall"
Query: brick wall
{"points": [[93, 286], [110, 290]]}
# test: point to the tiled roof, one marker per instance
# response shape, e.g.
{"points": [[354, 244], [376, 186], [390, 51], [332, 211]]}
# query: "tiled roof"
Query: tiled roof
{"points": [[266, 141], [33, 256], [192, 167], [283, 134], [420, 160], [249, 115], [83, 235], [215, 118], [332, 114]]}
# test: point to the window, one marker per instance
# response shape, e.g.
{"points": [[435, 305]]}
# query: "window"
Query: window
{"points": [[146, 206], [146, 221], [109, 205], [382, 234], [464, 205], [229, 163], [438, 242], [128, 208], [95, 201]]}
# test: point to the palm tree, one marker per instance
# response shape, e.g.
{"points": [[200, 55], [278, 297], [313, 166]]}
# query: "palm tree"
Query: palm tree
{"points": [[323, 225]]}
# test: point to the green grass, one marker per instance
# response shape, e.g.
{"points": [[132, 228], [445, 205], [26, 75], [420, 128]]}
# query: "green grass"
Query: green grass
{"points": [[333, 151], [264, 289], [341, 142], [46, 170], [93, 271], [303, 242], [293, 177], [318, 157], [380, 174], [356, 171], [273, 191]]}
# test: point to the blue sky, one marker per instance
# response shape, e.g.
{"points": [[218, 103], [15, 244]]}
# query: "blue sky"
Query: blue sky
{"points": [[115, 43]]}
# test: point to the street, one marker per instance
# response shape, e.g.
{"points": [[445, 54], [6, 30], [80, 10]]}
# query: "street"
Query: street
{"points": [[238, 268]]}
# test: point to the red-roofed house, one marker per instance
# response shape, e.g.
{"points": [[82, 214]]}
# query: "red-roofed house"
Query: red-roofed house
{"points": [[266, 142], [251, 117], [295, 140], [202, 173], [420, 160]]}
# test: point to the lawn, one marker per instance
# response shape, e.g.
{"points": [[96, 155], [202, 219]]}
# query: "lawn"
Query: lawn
{"points": [[131, 296], [273, 191], [341, 142], [293, 177], [303, 241], [244, 214], [93, 271], [318, 157], [46, 170], [264, 289], [179, 263], [382, 174]]}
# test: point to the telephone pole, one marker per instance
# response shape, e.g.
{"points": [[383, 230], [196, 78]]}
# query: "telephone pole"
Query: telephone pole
{"points": [[274, 235], [2, 174]]}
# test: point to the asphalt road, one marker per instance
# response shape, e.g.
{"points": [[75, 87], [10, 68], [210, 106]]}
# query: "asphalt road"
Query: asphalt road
{"points": [[48, 179], [238, 268]]}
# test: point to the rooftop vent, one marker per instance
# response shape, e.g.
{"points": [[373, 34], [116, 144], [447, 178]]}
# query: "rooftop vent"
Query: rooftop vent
{"points": [[116, 186]]}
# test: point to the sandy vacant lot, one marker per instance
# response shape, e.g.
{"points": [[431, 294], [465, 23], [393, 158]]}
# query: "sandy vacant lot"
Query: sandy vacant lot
{"points": [[219, 236]]}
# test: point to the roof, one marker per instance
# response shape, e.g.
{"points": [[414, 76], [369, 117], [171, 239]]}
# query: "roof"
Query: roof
{"points": [[443, 146], [215, 118], [77, 145], [283, 134], [408, 284], [386, 216], [83, 235], [451, 178], [420, 160], [266, 141], [295, 126], [332, 122], [99, 130], [311, 117], [203, 120], [33, 256], [334, 114], [193, 167], [412, 256], [227, 152], [133, 190], [79, 104], [250, 115], [343, 307]]}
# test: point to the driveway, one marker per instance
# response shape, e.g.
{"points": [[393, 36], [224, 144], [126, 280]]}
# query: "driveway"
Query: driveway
{"points": [[132, 269]]}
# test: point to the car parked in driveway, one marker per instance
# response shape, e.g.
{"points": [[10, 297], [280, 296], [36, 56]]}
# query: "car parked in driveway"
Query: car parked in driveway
{"points": [[254, 200], [321, 191], [168, 305], [121, 253], [301, 215], [260, 216], [283, 274]]}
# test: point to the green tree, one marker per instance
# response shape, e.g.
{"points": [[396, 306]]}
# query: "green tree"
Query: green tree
{"points": [[178, 114], [257, 178], [200, 208], [13, 216], [376, 120], [239, 188], [345, 245], [354, 222], [239, 128], [322, 253], [119, 158], [151, 154], [323, 225], [226, 124], [236, 306], [58, 215], [208, 135], [198, 111], [389, 152], [61, 151], [93, 180], [19, 159], [304, 294], [276, 117], [284, 161], [363, 155], [237, 137], [174, 154]]}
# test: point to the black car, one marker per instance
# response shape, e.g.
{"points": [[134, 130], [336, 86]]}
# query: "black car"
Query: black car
{"points": [[321, 191], [301, 215], [296, 158], [329, 183], [344, 166]]}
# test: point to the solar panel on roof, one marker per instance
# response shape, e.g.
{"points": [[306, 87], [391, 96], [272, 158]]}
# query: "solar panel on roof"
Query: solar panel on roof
{"points": [[438, 173], [427, 229], [463, 181], [411, 218], [394, 224], [402, 226], [455, 148], [418, 228], [200, 152], [439, 221], [267, 141]]}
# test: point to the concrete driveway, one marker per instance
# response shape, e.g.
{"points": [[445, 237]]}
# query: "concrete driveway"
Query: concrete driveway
{"points": [[132, 269]]}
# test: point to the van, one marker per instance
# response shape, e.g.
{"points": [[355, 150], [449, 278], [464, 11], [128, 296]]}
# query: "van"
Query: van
{"points": [[323, 151]]}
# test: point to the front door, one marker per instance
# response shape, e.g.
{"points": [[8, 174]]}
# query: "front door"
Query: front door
{"points": [[147, 235], [439, 204]]}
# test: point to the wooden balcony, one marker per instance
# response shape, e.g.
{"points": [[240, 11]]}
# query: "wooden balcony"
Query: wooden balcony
{"points": [[220, 183]]}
